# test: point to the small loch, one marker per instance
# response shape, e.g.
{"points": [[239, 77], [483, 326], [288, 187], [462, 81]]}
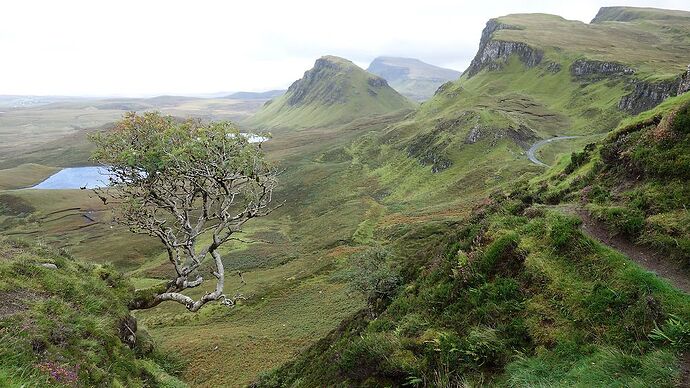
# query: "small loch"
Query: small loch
{"points": [[93, 177]]}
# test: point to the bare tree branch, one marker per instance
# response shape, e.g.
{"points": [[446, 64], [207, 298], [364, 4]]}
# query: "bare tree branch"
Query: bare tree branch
{"points": [[190, 185]]}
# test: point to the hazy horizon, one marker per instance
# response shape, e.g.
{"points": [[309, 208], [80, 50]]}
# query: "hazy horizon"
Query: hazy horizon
{"points": [[128, 49]]}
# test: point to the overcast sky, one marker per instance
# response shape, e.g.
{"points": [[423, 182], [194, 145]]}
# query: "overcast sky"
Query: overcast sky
{"points": [[150, 47]]}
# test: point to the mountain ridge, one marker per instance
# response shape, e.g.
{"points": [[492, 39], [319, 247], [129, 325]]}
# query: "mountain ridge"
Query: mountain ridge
{"points": [[411, 77], [333, 91]]}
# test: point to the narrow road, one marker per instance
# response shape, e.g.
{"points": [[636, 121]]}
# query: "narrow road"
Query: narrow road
{"points": [[531, 152]]}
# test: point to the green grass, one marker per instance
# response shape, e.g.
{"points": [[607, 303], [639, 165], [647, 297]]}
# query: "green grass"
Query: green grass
{"points": [[60, 326], [652, 45], [544, 304], [25, 175], [515, 309], [59, 217], [635, 180]]}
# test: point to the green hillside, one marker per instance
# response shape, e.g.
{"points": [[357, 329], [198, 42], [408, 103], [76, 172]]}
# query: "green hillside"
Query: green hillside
{"points": [[636, 181], [534, 77], [334, 91], [523, 292], [513, 289], [64, 323], [418, 245]]}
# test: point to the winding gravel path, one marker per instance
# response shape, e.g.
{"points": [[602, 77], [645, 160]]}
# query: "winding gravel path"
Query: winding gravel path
{"points": [[531, 152]]}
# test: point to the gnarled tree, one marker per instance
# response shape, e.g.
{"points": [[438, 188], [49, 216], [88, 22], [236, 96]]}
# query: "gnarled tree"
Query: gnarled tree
{"points": [[191, 185]]}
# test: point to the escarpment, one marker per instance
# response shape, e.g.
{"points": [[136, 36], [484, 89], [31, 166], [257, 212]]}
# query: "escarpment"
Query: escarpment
{"points": [[643, 95], [583, 68], [647, 95], [493, 53]]}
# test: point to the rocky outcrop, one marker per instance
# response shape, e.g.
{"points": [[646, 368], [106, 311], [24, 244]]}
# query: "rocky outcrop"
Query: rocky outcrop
{"points": [[474, 135], [647, 95], [583, 68], [643, 96], [444, 87], [428, 153], [684, 82], [430, 148], [553, 67], [493, 54], [377, 82], [127, 331]]}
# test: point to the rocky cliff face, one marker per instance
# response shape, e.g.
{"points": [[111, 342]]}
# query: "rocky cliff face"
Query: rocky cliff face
{"points": [[684, 82], [325, 83], [646, 95], [643, 95], [583, 68], [493, 54]]}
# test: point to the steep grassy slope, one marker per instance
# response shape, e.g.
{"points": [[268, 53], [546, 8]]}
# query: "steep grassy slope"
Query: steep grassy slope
{"points": [[518, 295], [334, 91], [64, 326], [509, 298], [411, 77], [637, 180]]}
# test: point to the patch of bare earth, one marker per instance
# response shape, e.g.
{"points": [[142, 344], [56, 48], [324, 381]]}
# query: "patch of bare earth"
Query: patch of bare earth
{"points": [[684, 371], [13, 302]]}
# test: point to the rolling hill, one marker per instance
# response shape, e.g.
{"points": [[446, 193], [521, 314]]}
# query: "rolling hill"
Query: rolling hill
{"points": [[334, 91], [411, 77]]}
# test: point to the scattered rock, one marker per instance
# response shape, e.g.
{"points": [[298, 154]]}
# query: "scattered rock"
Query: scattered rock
{"points": [[127, 330], [474, 135], [49, 266], [377, 82], [553, 67]]}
